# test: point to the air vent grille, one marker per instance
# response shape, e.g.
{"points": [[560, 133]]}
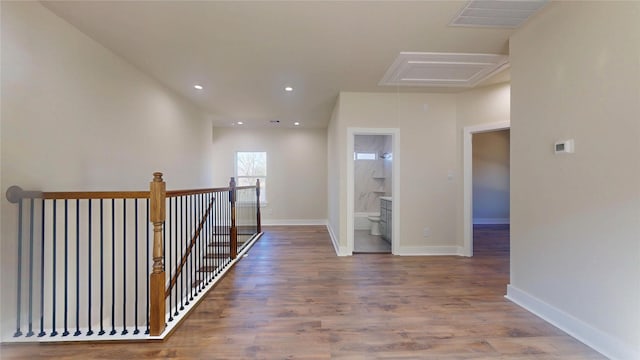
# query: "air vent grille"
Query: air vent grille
{"points": [[497, 13]]}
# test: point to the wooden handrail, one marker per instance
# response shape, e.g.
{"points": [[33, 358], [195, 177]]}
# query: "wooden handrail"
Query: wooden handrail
{"points": [[176, 193], [15, 193], [192, 243], [96, 195]]}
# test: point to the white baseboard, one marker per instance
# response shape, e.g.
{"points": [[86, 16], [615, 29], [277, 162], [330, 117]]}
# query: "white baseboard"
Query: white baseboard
{"points": [[490, 221], [340, 251], [293, 222], [600, 341], [428, 250]]}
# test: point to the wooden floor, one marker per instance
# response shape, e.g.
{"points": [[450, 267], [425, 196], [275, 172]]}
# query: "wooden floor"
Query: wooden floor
{"points": [[293, 298]]}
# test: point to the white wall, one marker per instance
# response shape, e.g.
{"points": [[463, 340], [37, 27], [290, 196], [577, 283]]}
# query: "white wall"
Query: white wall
{"points": [[484, 105], [336, 211], [296, 170], [431, 150], [575, 219], [491, 177], [428, 153], [77, 117]]}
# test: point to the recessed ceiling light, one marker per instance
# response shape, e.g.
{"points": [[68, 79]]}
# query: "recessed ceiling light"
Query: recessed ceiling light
{"points": [[288, 89], [198, 87], [239, 123], [296, 123]]}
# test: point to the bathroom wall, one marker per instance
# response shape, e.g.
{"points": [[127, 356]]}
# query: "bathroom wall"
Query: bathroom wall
{"points": [[371, 176]]}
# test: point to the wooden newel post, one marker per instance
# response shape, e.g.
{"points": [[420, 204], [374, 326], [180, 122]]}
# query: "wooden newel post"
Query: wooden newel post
{"points": [[158, 194], [258, 220], [233, 243]]}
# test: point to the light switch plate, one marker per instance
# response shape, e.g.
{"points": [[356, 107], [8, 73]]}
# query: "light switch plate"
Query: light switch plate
{"points": [[564, 147]]}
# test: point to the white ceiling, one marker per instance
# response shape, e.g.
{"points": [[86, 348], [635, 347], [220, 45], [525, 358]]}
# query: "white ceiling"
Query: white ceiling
{"points": [[245, 53]]}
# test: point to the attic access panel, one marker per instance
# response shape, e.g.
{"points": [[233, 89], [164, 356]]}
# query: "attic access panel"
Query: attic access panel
{"points": [[443, 69]]}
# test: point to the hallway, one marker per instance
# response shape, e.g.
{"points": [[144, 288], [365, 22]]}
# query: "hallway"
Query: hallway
{"points": [[292, 297]]}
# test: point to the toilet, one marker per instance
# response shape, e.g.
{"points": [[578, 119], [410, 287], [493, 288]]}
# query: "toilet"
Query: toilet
{"points": [[375, 224]]}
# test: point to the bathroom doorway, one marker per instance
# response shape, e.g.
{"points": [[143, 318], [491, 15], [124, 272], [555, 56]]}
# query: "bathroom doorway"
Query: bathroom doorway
{"points": [[372, 180]]}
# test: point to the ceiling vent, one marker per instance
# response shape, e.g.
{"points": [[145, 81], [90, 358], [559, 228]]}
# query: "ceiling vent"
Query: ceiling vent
{"points": [[497, 13], [443, 69]]}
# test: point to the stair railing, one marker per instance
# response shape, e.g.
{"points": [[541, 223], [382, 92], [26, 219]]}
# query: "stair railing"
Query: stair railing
{"points": [[83, 257]]}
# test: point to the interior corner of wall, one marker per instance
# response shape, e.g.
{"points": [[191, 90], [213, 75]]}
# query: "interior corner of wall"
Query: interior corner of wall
{"points": [[335, 240]]}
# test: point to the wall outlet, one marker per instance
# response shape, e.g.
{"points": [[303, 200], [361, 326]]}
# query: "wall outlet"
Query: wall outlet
{"points": [[426, 232]]}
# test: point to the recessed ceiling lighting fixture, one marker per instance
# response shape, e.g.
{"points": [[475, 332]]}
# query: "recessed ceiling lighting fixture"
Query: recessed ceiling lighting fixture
{"points": [[198, 87], [288, 89], [239, 123], [296, 123]]}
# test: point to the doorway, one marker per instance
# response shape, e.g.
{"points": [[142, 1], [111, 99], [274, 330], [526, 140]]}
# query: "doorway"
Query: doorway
{"points": [[372, 180], [372, 190], [490, 193], [468, 166]]}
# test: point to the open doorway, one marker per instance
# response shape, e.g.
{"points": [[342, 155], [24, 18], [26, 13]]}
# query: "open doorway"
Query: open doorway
{"points": [[468, 169], [372, 190], [372, 180], [490, 192]]}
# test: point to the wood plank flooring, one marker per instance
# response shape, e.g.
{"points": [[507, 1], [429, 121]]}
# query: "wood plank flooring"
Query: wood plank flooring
{"points": [[293, 298]]}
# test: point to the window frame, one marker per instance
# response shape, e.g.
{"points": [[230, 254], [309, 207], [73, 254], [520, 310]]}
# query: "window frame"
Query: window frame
{"points": [[263, 178]]}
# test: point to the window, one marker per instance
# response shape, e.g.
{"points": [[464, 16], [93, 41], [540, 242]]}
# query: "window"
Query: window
{"points": [[251, 166]]}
